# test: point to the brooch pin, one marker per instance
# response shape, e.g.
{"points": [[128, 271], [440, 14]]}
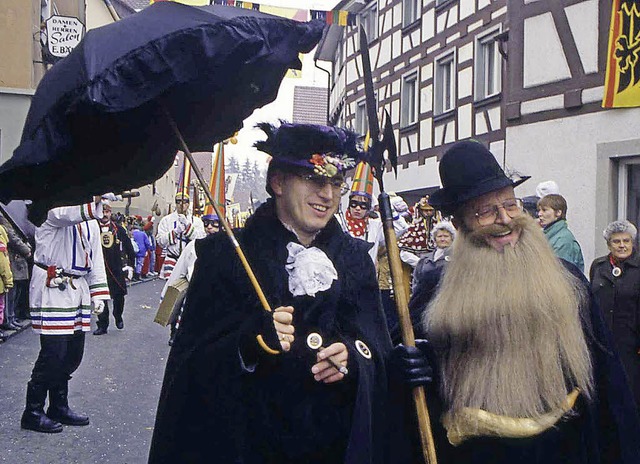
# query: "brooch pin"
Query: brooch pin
{"points": [[314, 341], [363, 349]]}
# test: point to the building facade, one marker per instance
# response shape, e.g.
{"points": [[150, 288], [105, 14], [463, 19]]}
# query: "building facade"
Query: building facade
{"points": [[22, 66], [524, 77]]}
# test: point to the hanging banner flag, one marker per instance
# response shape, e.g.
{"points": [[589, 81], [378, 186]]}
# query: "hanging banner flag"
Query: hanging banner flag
{"points": [[622, 79], [217, 183], [185, 177]]}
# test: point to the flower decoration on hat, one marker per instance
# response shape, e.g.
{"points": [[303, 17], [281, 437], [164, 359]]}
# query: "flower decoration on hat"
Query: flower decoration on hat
{"points": [[325, 150]]}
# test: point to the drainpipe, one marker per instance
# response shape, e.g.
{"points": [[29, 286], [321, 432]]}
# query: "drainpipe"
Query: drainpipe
{"points": [[328, 86], [112, 10]]}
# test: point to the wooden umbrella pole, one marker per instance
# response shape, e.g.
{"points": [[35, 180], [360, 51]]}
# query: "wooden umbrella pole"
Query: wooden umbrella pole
{"points": [[408, 337], [223, 220]]}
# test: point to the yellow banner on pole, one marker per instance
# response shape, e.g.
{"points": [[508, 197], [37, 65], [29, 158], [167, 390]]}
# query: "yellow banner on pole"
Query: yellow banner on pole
{"points": [[622, 79]]}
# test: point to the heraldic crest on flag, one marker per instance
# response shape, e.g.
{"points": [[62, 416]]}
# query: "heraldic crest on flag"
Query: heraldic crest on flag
{"points": [[622, 81]]}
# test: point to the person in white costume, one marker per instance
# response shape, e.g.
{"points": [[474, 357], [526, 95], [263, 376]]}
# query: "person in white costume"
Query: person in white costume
{"points": [[175, 231], [68, 277], [184, 266]]}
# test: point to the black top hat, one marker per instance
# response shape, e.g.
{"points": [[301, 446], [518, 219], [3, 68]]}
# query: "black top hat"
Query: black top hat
{"points": [[468, 170]]}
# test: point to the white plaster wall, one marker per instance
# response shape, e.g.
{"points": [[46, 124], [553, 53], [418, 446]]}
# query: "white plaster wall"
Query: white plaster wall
{"points": [[544, 59], [14, 105], [428, 25], [464, 121], [465, 83], [413, 177], [565, 150], [583, 21], [467, 8]]}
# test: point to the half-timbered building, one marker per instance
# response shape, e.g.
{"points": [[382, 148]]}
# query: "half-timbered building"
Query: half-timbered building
{"points": [[524, 77]]}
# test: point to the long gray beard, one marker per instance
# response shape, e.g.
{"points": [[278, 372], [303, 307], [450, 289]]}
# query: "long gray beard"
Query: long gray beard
{"points": [[506, 327]]}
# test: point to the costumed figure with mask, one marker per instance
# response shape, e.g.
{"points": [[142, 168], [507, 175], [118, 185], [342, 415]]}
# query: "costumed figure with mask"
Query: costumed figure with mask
{"points": [[68, 277], [115, 245], [417, 242], [524, 370], [176, 230], [308, 382]]}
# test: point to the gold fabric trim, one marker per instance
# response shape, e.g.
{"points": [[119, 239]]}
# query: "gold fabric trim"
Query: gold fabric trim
{"points": [[472, 422]]}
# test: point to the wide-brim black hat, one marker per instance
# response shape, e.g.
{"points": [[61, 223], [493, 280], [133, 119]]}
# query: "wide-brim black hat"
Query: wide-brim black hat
{"points": [[468, 170], [324, 150]]}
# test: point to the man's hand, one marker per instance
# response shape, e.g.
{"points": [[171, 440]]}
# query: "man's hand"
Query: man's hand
{"points": [[282, 321], [412, 362], [112, 196], [323, 370], [129, 271], [98, 306], [179, 228]]}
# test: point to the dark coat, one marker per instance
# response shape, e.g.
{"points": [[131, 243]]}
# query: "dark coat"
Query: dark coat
{"points": [[214, 409], [604, 430], [113, 260], [619, 300]]}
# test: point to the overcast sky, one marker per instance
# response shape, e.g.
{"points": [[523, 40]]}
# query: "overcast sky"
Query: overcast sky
{"points": [[282, 107]]}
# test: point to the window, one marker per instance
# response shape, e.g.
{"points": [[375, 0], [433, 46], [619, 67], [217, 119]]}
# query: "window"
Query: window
{"points": [[369, 20], [409, 100], [444, 84], [361, 124], [629, 189], [488, 66], [410, 11]]}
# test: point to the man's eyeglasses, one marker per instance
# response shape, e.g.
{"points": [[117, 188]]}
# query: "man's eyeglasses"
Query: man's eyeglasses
{"points": [[208, 223], [182, 201], [319, 182], [361, 204], [488, 214]]}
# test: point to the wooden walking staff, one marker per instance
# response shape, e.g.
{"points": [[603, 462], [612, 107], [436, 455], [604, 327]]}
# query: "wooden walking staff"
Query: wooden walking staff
{"points": [[227, 229], [377, 162], [406, 328]]}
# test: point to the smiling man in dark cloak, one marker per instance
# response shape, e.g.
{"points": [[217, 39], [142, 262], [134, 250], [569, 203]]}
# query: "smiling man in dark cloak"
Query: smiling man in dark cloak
{"points": [[244, 385]]}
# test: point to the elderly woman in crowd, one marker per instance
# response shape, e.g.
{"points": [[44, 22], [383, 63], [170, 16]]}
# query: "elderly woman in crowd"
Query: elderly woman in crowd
{"points": [[442, 235], [615, 282]]}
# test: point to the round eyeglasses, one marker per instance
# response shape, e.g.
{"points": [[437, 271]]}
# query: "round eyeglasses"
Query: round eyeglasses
{"points": [[320, 182], [488, 214]]}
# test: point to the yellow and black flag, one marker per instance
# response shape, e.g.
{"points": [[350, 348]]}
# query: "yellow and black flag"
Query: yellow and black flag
{"points": [[622, 81]]}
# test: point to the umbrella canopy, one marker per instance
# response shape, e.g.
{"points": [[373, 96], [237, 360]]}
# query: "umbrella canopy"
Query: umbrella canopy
{"points": [[99, 119]]}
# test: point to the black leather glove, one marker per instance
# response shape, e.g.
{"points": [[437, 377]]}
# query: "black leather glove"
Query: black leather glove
{"points": [[412, 363]]}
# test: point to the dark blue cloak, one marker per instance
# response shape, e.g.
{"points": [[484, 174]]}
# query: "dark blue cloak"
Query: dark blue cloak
{"points": [[213, 410]]}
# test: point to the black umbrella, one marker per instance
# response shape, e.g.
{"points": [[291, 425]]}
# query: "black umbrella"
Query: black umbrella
{"points": [[100, 118]]}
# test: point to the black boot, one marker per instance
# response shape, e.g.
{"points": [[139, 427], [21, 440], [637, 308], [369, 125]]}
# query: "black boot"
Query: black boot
{"points": [[59, 406], [33, 417]]}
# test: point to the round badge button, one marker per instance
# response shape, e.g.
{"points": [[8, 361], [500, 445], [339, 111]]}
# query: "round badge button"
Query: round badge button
{"points": [[314, 340], [363, 349]]}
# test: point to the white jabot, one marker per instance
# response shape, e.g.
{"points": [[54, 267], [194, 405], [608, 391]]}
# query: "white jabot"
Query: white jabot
{"points": [[310, 270]]}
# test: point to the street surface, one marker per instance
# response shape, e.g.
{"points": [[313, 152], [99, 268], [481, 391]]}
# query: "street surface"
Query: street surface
{"points": [[117, 386]]}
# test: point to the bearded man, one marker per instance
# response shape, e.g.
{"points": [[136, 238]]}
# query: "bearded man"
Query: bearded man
{"points": [[524, 367]]}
